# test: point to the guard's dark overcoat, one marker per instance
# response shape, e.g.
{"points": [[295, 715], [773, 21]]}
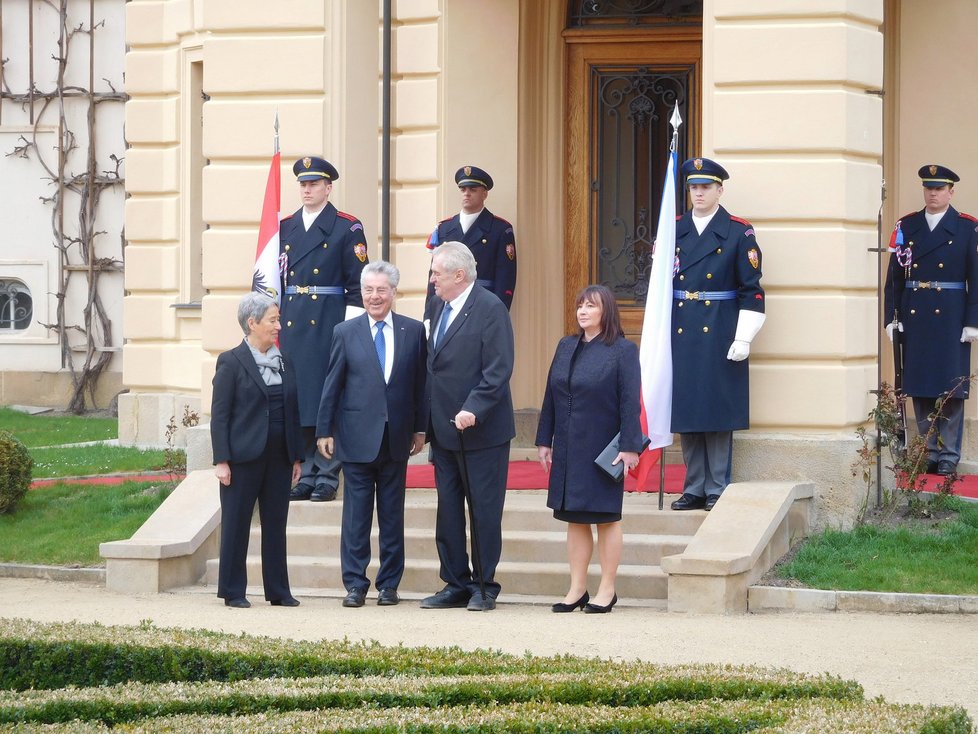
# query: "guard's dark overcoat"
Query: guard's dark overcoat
{"points": [[710, 392], [582, 411], [331, 253], [935, 361], [493, 245]]}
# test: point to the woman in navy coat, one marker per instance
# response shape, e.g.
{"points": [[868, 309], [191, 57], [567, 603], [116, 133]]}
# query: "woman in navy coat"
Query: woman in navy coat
{"points": [[593, 393], [257, 444]]}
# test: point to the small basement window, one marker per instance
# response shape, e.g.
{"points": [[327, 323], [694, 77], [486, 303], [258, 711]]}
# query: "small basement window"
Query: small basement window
{"points": [[16, 305]]}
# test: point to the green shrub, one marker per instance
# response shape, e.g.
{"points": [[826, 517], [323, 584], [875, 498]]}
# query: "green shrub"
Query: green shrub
{"points": [[207, 681], [15, 471]]}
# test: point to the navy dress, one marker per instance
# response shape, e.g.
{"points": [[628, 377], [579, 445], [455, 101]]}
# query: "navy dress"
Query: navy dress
{"points": [[593, 392]]}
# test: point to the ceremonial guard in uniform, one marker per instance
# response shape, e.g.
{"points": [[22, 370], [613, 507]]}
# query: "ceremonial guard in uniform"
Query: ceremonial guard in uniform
{"points": [[931, 296], [322, 253], [490, 238], [718, 308]]}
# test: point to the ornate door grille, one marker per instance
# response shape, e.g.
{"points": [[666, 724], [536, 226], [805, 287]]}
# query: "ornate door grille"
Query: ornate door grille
{"points": [[630, 110]]}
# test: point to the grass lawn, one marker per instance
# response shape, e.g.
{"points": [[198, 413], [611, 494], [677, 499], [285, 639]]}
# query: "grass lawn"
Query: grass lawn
{"points": [[54, 430], [78, 461], [913, 559], [62, 525]]}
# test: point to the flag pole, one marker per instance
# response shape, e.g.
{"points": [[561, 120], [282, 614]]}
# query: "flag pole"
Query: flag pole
{"points": [[675, 121]]}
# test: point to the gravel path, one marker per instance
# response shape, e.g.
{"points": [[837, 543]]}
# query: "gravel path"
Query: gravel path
{"points": [[918, 658]]}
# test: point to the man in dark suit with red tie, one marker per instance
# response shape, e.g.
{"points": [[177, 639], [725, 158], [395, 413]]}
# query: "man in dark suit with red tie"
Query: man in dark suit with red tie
{"points": [[470, 362], [372, 418]]}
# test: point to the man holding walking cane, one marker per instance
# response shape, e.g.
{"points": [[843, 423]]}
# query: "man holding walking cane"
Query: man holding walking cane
{"points": [[470, 362]]}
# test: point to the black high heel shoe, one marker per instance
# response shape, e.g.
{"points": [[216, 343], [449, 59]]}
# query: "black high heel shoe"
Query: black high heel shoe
{"points": [[598, 609], [560, 607]]}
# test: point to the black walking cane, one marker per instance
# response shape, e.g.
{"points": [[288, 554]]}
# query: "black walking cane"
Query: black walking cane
{"points": [[467, 489]]}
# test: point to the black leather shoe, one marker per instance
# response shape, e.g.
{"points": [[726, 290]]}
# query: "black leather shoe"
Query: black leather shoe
{"points": [[237, 603], [447, 598], [931, 467], [300, 492], [480, 603], [598, 609], [290, 601], [387, 598], [355, 598], [711, 500], [560, 607], [323, 493], [689, 502], [946, 466]]}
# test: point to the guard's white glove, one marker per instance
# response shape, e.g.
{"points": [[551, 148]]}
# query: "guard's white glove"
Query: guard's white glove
{"points": [[352, 312], [896, 325], [969, 334], [427, 328], [739, 351], [748, 324]]}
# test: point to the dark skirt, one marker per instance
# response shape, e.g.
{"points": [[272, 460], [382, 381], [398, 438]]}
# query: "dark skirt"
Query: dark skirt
{"points": [[583, 517]]}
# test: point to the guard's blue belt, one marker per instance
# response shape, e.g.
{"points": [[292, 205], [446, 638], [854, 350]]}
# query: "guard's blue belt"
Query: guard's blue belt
{"points": [[937, 285], [704, 295], [487, 284], [314, 290]]}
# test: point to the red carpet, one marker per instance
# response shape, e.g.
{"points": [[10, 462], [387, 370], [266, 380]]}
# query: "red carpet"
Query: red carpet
{"points": [[967, 487], [529, 475], [522, 475], [110, 479]]}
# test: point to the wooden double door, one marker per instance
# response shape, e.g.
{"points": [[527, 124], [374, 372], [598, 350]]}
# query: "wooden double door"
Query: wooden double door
{"points": [[622, 86]]}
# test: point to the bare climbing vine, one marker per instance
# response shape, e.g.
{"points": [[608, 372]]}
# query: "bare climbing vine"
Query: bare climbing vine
{"points": [[77, 252]]}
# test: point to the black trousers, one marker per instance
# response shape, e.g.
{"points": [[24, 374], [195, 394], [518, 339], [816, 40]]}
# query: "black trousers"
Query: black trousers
{"points": [[383, 479], [488, 469], [265, 481]]}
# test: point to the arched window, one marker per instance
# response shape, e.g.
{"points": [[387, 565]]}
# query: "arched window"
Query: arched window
{"points": [[632, 12], [16, 306]]}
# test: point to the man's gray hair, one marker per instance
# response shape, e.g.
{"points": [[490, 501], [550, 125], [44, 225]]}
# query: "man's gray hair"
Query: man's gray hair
{"points": [[381, 267], [457, 256], [253, 306]]}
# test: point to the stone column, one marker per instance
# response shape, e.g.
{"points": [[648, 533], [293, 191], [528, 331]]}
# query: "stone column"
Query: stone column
{"points": [[788, 110]]}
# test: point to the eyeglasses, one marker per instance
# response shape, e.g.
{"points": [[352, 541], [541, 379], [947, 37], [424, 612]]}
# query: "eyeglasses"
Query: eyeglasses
{"points": [[382, 292]]}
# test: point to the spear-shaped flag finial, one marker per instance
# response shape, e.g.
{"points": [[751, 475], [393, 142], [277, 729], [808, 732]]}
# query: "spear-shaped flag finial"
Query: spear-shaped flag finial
{"points": [[675, 121]]}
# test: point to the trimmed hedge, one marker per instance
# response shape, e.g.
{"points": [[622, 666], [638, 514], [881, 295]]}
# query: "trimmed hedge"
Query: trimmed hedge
{"points": [[701, 717], [265, 685], [51, 656], [131, 702]]}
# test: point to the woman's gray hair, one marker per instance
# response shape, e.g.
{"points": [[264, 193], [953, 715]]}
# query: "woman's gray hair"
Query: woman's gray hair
{"points": [[381, 267], [253, 306], [457, 256]]}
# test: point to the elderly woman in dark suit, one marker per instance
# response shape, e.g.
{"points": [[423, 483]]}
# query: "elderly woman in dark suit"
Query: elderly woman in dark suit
{"points": [[593, 392], [257, 445]]}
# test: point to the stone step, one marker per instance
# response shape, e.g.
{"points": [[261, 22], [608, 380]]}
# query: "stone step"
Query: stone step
{"points": [[518, 545], [534, 560], [421, 577], [524, 510]]}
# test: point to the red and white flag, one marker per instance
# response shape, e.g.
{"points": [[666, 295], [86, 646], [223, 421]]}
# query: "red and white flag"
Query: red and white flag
{"points": [[267, 277], [655, 352]]}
